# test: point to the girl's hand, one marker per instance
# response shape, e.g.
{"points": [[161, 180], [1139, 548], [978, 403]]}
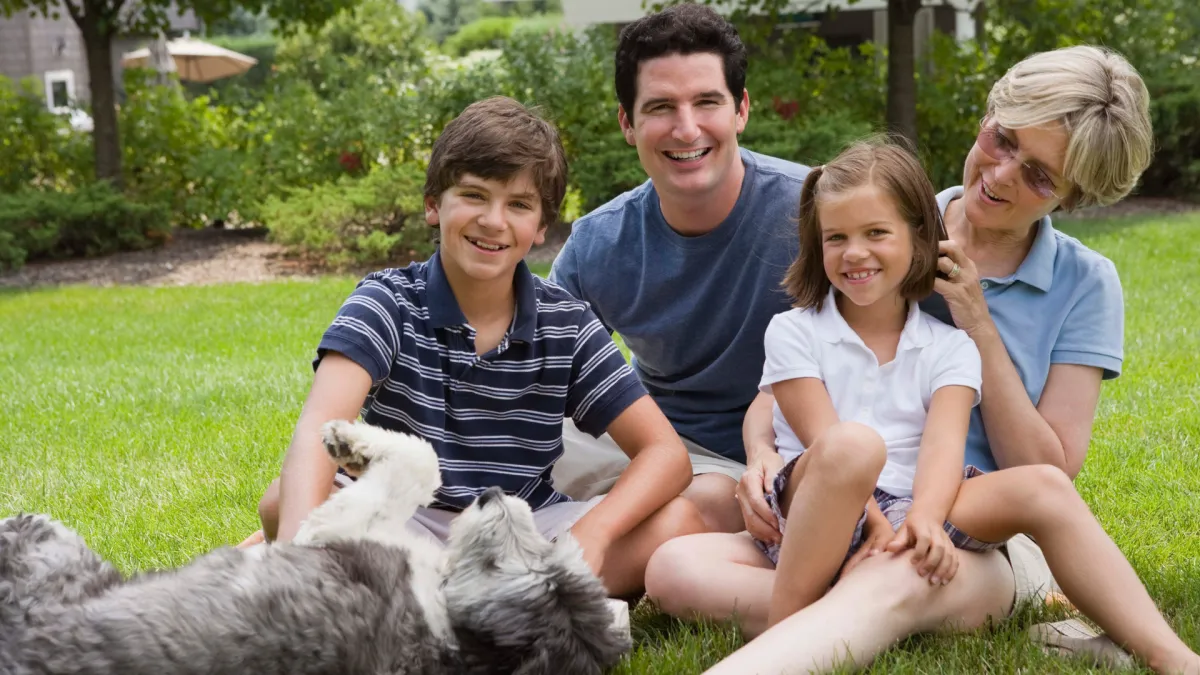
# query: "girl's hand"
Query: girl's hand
{"points": [[961, 289], [750, 493], [933, 553], [877, 532]]}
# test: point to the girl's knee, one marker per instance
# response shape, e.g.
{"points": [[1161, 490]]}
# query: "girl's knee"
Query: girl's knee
{"points": [[668, 581], [849, 452]]}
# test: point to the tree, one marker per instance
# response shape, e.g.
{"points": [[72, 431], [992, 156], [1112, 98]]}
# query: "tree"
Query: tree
{"points": [[100, 21], [901, 73]]}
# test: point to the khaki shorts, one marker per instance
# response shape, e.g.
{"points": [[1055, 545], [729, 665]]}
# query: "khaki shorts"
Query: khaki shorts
{"points": [[590, 466], [552, 521], [1031, 574]]}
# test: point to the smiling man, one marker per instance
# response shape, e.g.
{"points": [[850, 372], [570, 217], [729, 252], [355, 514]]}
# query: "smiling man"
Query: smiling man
{"points": [[687, 267]]}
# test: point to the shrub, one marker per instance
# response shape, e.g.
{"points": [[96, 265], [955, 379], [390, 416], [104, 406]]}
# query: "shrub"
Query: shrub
{"points": [[487, 33], [91, 221], [38, 147], [352, 222], [1175, 111]]}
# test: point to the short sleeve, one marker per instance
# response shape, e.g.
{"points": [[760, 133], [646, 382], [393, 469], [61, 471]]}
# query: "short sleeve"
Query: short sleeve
{"points": [[1093, 333], [602, 383], [957, 363], [367, 328], [790, 344]]}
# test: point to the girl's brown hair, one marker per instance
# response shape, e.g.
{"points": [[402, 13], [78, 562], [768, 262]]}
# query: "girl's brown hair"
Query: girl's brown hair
{"points": [[897, 172]]}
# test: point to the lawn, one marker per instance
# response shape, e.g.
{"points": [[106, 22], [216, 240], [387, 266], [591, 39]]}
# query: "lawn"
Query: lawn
{"points": [[151, 419]]}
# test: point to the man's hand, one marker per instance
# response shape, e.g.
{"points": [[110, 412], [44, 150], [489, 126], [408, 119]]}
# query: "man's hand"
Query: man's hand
{"points": [[595, 546], [933, 553], [877, 533], [751, 496]]}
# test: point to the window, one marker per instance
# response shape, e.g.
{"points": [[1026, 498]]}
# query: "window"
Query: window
{"points": [[60, 89]]}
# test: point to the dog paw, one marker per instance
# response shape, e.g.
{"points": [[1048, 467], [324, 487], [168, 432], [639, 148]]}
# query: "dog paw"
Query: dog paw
{"points": [[344, 443]]}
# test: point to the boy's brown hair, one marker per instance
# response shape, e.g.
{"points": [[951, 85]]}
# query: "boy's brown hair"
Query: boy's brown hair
{"points": [[898, 174], [498, 138]]}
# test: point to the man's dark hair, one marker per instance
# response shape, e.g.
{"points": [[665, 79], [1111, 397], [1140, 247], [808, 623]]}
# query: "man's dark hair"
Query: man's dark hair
{"points": [[498, 138], [680, 29]]}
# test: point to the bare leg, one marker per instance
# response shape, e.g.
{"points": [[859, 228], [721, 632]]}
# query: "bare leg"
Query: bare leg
{"points": [[880, 602], [624, 570], [715, 576], [829, 486], [712, 493], [1040, 501]]}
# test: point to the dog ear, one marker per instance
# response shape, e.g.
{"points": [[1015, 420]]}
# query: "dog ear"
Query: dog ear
{"points": [[594, 642]]}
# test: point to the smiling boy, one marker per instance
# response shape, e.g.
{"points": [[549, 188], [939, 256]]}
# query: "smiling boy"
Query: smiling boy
{"points": [[484, 360]]}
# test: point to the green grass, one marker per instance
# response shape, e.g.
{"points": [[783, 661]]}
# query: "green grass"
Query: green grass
{"points": [[150, 420]]}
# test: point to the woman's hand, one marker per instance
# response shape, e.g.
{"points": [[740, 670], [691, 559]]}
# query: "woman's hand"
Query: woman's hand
{"points": [[961, 289], [750, 493]]}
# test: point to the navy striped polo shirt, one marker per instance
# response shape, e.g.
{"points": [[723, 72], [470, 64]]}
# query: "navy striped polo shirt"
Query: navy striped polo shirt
{"points": [[494, 419]]}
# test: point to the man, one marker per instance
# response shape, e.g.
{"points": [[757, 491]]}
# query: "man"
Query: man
{"points": [[687, 267]]}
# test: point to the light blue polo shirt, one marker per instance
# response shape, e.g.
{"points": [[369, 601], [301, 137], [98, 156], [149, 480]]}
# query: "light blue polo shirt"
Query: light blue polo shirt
{"points": [[1062, 305]]}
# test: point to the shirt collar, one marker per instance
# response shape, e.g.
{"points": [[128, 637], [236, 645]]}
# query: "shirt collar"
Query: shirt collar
{"points": [[444, 310], [1037, 269], [832, 327]]}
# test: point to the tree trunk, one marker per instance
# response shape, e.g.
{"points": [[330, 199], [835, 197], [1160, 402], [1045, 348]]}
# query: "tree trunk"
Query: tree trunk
{"points": [[106, 140], [902, 83]]}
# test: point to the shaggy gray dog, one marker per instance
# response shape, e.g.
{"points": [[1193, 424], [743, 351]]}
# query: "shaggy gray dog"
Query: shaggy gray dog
{"points": [[354, 593]]}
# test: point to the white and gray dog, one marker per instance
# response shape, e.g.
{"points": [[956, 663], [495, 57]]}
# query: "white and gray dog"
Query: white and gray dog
{"points": [[353, 593]]}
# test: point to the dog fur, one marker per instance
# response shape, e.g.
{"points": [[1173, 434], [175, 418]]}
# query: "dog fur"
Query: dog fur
{"points": [[355, 592]]}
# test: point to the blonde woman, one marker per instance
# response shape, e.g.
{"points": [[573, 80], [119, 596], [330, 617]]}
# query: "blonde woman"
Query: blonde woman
{"points": [[1064, 129]]}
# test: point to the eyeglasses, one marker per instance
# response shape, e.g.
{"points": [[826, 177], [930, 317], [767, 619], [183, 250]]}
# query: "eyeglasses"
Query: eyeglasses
{"points": [[1001, 148]]}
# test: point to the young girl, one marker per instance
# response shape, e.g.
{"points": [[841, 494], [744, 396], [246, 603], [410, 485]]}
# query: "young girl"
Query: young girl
{"points": [[880, 393]]}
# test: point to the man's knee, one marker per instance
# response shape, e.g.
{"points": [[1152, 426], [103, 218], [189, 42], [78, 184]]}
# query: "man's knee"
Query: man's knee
{"points": [[713, 496], [669, 581], [268, 510]]}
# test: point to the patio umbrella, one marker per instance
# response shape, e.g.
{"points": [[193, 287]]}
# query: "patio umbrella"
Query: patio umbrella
{"points": [[195, 60]]}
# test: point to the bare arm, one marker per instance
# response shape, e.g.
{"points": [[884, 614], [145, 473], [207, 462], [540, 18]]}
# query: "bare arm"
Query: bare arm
{"points": [[339, 388], [758, 434], [940, 459], [1055, 432], [658, 472]]}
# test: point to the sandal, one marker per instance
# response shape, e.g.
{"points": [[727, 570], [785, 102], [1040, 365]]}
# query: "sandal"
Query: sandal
{"points": [[1073, 637]]}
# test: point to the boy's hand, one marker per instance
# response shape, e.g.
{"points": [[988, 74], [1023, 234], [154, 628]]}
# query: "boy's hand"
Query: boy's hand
{"points": [[877, 533], [933, 553]]}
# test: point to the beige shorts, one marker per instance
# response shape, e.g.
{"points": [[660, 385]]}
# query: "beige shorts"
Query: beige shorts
{"points": [[1031, 574], [552, 521], [590, 466]]}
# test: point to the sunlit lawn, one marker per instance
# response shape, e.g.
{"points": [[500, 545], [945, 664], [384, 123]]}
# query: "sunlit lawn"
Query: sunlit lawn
{"points": [[151, 419]]}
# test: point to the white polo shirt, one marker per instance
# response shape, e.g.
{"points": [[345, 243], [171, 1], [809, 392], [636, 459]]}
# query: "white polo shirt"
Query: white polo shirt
{"points": [[893, 399]]}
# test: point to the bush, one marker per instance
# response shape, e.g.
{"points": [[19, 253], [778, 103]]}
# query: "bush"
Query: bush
{"points": [[38, 147], [487, 33], [91, 221], [352, 222], [1175, 112]]}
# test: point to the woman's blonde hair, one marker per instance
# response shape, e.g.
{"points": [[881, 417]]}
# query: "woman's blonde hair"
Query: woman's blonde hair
{"points": [[1102, 103]]}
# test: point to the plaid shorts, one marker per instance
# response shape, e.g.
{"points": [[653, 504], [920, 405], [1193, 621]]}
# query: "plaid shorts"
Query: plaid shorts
{"points": [[893, 507]]}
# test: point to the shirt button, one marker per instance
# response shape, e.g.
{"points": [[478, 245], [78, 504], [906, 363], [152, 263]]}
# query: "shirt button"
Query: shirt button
{"points": [[983, 285]]}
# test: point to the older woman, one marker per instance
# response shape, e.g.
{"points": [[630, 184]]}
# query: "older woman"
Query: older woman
{"points": [[1064, 129]]}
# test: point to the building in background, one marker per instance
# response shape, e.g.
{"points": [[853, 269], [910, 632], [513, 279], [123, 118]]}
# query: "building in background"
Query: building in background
{"points": [[51, 50]]}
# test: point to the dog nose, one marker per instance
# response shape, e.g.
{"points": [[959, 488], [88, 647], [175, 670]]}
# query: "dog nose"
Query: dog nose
{"points": [[489, 495]]}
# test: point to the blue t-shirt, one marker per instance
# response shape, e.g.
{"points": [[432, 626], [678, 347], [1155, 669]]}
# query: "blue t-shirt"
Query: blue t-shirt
{"points": [[692, 310], [496, 418], [1062, 305]]}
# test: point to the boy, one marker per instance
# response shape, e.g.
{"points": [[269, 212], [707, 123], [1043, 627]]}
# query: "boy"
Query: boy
{"points": [[484, 360]]}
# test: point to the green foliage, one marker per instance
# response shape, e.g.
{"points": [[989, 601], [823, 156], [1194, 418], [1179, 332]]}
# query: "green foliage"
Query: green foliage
{"points": [[91, 221], [375, 220], [37, 147], [1175, 111], [486, 33], [446, 17]]}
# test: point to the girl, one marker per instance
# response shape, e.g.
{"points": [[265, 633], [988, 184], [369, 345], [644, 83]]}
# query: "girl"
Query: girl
{"points": [[880, 394]]}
